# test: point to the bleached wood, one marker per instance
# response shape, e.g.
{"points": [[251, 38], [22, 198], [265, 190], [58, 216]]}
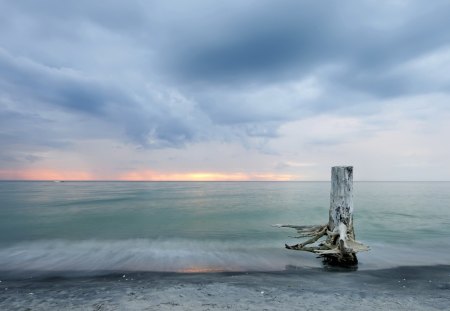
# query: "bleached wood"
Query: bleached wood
{"points": [[340, 245]]}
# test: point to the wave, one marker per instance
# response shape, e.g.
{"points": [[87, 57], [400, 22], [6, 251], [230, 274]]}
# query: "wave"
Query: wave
{"points": [[96, 257], [91, 256]]}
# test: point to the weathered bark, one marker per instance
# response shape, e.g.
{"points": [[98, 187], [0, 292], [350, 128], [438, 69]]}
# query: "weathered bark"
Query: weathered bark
{"points": [[339, 246]]}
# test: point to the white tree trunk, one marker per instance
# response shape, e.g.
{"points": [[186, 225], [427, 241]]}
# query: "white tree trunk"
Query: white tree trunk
{"points": [[340, 246], [340, 221]]}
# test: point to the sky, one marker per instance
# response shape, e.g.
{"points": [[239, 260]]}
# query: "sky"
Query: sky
{"points": [[224, 90]]}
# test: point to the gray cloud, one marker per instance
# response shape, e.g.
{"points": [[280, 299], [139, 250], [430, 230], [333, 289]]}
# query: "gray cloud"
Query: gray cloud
{"points": [[163, 75], [289, 39], [63, 87], [143, 118]]}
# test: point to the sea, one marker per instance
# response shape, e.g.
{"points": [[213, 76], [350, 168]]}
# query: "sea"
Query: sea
{"points": [[94, 228]]}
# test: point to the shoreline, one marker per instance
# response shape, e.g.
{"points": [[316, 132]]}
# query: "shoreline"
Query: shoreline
{"points": [[401, 288]]}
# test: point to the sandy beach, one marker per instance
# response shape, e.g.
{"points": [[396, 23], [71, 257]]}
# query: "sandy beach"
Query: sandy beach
{"points": [[404, 288]]}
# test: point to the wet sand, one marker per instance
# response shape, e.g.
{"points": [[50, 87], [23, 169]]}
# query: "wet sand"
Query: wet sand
{"points": [[403, 288]]}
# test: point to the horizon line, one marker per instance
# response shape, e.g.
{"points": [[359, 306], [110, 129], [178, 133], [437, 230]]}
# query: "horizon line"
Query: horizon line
{"points": [[282, 181]]}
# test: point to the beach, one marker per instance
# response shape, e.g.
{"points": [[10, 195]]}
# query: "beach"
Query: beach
{"points": [[402, 288]]}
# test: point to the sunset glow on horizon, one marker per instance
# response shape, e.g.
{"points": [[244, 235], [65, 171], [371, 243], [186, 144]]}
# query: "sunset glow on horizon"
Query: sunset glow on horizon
{"points": [[204, 176], [44, 174], [48, 174]]}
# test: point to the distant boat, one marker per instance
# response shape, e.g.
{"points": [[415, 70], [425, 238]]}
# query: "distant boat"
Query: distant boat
{"points": [[58, 181]]}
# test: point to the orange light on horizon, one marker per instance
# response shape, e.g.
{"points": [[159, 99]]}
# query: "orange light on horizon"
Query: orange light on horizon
{"points": [[202, 176], [45, 174], [141, 175]]}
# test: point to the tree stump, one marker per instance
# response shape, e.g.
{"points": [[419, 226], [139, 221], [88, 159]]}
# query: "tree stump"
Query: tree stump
{"points": [[339, 246]]}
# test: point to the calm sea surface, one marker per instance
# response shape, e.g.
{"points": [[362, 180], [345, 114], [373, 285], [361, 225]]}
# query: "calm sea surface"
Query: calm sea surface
{"points": [[92, 227]]}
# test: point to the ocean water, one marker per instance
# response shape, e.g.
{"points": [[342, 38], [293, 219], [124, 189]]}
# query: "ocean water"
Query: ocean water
{"points": [[96, 227]]}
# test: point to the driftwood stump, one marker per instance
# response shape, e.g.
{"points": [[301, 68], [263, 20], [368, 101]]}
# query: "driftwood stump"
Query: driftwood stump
{"points": [[339, 245]]}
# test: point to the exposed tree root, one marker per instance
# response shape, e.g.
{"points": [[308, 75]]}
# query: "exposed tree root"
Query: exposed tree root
{"points": [[339, 246]]}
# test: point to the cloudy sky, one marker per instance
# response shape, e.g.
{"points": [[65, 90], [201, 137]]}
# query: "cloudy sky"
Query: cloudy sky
{"points": [[224, 90]]}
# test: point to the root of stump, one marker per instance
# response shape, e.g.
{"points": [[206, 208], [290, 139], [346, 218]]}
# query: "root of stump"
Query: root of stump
{"points": [[338, 248]]}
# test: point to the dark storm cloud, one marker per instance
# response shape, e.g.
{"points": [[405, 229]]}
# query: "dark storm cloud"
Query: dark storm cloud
{"points": [[288, 40], [169, 73], [255, 46], [271, 43], [33, 84], [28, 80]]}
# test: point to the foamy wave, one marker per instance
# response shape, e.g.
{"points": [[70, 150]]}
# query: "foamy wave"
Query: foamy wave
{"points": [[146, 255], [93, 257]]}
